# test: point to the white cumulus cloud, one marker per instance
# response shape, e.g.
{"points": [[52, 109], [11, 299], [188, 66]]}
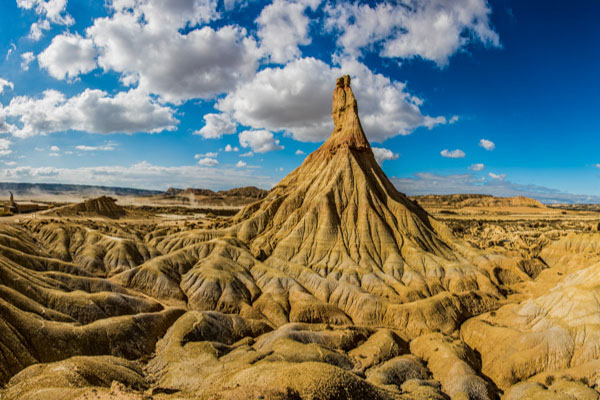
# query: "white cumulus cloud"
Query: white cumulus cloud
{"points": [[499, 177], [53, 10], [487, 144], [200, 63], [5, 147], [282, 26], [208, 162], [230, 149], [68, 56], [383, 154], [209, 155], [36, 31], [477, 167], [299, 152], [49, 11], [430, 29], [5, 84], [216, 126], [26, 59], [241, 164], [260, 141], [10, 50], [92, 111], [296, 98], [458, 153], [106, 147]]}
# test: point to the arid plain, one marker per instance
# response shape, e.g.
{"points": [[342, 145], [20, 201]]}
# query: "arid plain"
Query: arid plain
{"points": [[332, 285]]}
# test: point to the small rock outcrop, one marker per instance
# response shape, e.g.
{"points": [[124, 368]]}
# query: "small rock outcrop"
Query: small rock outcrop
{"points": [[12, 204]]}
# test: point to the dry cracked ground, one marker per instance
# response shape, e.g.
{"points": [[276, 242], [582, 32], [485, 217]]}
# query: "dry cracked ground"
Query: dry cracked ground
{"points": [[332, 286]]}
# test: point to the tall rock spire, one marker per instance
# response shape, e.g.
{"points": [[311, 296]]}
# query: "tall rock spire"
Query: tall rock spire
{"points": [[348, 130]]}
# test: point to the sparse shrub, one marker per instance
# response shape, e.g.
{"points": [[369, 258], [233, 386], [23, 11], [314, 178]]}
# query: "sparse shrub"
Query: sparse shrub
{"points": [[549, 380], [584, 380]]}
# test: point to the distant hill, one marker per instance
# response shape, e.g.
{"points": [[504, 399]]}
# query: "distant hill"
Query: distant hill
{"points": [[475, 200], [102, 207], [29, 189], [246, 191]]}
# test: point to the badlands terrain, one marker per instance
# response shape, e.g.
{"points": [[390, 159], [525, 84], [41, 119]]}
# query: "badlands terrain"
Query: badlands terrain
{"points": [[332, 285]]}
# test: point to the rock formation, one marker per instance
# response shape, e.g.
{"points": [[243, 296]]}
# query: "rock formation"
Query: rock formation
{"points": [[103, 206], [333, 285], [339, 227], [12, 205]]}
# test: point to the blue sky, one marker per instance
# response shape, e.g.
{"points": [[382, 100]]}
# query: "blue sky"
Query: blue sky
{"points": [[472, 96]]}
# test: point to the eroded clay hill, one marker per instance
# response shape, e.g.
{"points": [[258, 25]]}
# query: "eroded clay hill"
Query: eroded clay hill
{"points": [[103, 206], [332, 286]]}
